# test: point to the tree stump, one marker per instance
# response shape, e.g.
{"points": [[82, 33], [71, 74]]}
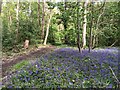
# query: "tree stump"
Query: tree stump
{"points": [[26, 44]]}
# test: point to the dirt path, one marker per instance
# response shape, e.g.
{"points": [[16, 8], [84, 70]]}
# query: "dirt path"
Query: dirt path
{"points": [[28, 56]]}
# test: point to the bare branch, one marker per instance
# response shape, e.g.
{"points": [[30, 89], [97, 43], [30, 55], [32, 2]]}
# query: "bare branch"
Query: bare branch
{"points": [[114, 75], [100, 16]]}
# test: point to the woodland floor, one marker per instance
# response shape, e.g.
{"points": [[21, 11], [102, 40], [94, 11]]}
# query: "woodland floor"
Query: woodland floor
{"points": [[30, 55], [96, 65]]}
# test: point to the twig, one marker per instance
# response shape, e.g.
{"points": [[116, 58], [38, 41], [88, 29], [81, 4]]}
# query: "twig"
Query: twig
{"points": [[100, 16], [114, 75], [113, 43]]}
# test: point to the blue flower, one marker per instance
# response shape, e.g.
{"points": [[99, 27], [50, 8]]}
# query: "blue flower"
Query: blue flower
{"points": [[25, 78], [62, 64], [10, 86], [21, 78], [37, 71], [30, 72], [28, 79], [109, 86]]}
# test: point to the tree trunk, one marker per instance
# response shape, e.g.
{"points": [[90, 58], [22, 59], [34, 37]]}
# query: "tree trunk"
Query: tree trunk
{"points": [[39, 12], [17, 19], [84, 24], [90, 39], [43, 19], [47, 31], [93, 42], [30, 10], [9, 21], [0, 6], [65, 23], [78, 28], [26, 44]]}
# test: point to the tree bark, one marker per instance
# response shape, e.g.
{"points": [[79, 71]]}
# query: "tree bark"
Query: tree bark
{"points": [[93, 41], [78, 28], [90, 39], [17, 19], [9, 21], [0, 6], [30, 11], [65, 22], [84, 24], [43, 19], [47, 30], [39, 12]]}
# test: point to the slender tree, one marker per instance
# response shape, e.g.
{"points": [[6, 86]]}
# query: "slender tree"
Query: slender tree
{"points": [[118, 35], [9, 19], [65, 20], [0, 6], [0, 29], [84, 24], [30, 10], [39, 12], [95, 41], [43, 19], [78, 28], [91, 26], [47, 30], [51, 13], [17, 19]]}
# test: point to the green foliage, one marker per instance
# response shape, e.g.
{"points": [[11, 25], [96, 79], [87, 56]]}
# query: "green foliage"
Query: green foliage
{"points": [[20, 65], [107, 29]]}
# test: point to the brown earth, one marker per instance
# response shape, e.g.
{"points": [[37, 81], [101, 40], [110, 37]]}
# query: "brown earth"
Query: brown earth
{"points": [[31, 55]]}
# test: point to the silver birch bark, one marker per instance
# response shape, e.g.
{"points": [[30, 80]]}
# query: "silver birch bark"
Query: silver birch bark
{"points": [[84, 24]]}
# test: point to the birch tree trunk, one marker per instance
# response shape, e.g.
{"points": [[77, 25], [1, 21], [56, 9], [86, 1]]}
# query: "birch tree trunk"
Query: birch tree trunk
{"points": [[30, 11], [9, 20], [47, 30], [43, 19], [84, 24], [17, 19]]}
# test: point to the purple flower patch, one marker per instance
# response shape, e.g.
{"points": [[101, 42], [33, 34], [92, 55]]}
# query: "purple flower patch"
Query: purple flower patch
{"points": [[61, 67]]}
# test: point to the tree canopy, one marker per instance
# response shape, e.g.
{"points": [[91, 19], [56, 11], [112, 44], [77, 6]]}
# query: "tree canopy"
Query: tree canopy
{"points": [[56, 23]]}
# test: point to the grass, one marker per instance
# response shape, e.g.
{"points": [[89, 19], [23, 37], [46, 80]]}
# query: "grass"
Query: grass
{"points": [[18, 66]]}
